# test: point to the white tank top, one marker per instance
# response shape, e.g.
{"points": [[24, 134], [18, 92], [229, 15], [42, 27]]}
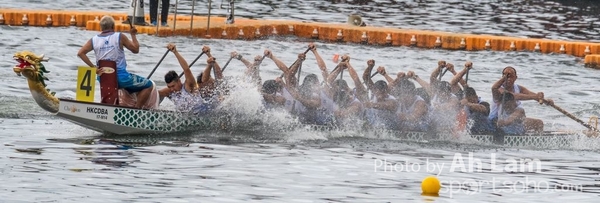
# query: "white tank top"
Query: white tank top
{"points": [[289, 100], [327, 103], [109, 48], [381, 117], [403, 108], [184, 100], [496, 104]]}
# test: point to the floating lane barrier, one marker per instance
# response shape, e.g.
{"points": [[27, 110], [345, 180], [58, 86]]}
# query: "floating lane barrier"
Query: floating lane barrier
{"points": [[250, 29]]}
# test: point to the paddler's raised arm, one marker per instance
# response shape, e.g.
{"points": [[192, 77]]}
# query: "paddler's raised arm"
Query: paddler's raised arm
{"points": [[388, 78], [218, 71], [367, 74], [210, 62], [455, 88], [253, 71], [496, 93], [436, 73], [336, 71], [290, 77], [320, 61], [296, 66], [361, 92], [190, 81], [277, 62], [242, 59], [458, 77], [133, 45], [426, 86]]}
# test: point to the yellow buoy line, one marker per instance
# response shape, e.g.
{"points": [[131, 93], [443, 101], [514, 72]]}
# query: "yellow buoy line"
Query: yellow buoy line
{"points": [[249, 29]]}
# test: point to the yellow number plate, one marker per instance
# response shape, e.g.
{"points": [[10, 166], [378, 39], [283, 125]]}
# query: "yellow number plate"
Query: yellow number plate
{"points": [[86, 84]]}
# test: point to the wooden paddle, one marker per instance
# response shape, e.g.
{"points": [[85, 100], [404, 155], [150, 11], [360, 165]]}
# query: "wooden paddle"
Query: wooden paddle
{"points": [[467, 77], [161, 59], [300, 68], [443, 73], [132, 20], [462, 114], [261, 60], [193, 62], [226, 64], [569, 115]]}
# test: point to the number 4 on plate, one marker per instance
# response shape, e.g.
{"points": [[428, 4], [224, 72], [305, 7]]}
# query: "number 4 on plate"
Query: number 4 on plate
{"points": [[86, 83]]}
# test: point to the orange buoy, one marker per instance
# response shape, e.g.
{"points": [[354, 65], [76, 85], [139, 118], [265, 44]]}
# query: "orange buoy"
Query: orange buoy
{"points": [[430, 186], [336, 58]]}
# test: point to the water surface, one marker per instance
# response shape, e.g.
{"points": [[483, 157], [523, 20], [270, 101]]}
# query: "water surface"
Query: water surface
{"points": [[48, 159]]}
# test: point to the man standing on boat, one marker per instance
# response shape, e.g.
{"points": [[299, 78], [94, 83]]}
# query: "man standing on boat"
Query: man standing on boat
{"points": [[507, 82], [108, 45]]}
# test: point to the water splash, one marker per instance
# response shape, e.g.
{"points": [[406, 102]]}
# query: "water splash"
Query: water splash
{"points": [[243, 107]]}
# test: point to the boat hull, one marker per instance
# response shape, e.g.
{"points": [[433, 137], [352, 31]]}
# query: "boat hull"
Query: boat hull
{"points": [[110, 119], [545, 140], [119, 120]]}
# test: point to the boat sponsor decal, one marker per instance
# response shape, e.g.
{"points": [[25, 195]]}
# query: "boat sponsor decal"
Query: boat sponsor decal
{"points": [[88, 111], [106, 70], [71, 108]]}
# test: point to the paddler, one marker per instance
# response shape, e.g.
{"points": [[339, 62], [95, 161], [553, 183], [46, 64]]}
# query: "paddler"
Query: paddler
{"points": [[511, 118], [507, 82], [184, 95]]}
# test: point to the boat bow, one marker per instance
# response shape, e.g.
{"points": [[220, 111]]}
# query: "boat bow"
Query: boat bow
{"points": [[30, 66]]}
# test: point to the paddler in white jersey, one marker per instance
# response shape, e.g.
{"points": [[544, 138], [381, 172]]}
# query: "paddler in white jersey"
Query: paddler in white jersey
{"points": [[183, 95], [346, 107], [308, 105], [108, 45], [321, 114], [507, 82], [381, 107], [290, 80], [207, 85], [412, 112]]}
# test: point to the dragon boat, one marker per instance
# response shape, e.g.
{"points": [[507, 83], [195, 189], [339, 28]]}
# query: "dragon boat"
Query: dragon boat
{"points": [[109, 118], [103, 117]]}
